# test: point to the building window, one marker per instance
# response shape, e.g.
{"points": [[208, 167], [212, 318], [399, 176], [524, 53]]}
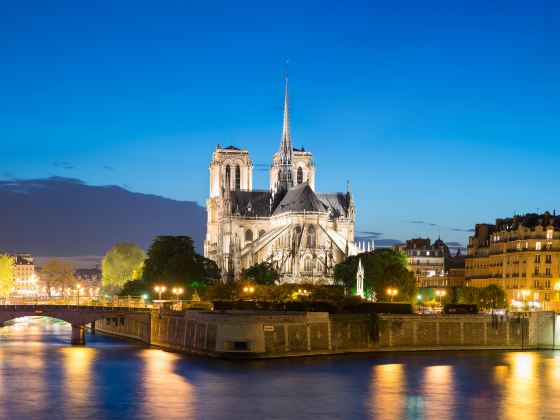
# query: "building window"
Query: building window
{"points": [[548, 259], [547, 284], [310, 237], [537, 258], [536, 284], [261, 232], [308, 264], [299, 175], [519, 246], [228, 176], [549, 234], [538, 246], [249, 235], [237, 178], [537, 271], [547, 271], [547, 296]]}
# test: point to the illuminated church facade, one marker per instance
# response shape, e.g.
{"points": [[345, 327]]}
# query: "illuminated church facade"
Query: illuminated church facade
{"points": [[301, 232]]}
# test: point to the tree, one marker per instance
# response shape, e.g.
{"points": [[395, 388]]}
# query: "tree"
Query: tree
{"points": [[172, 260], [7, 263], [57, 274], [120, 264], [383, 268], [467, 295], [262, 273], [492, 297]]}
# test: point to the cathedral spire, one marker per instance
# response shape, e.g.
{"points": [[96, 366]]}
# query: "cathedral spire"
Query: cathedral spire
{"points": [[286, 152]]}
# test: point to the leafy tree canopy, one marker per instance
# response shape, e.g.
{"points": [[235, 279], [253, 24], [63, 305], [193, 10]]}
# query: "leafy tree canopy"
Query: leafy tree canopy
{"points": [[6, 275], [383, 268], [57, 275], [172, 260], [262, 273], [492, 297], [120, 264]]}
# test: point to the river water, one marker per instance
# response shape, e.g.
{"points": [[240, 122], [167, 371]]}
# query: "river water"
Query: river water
{"points": [[42, 376]]}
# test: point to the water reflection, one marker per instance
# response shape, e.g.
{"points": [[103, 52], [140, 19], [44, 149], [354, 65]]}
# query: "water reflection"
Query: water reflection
{"points": [[42, 376], [387, 391], [166, 394], [79, 379]]}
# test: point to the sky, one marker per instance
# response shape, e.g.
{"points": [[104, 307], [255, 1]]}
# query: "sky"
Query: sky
{"points": [[441, 114]]}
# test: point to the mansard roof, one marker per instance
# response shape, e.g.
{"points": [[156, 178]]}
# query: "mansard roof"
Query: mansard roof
{"points": [[251, 203], [337, 203], [299, 199]]}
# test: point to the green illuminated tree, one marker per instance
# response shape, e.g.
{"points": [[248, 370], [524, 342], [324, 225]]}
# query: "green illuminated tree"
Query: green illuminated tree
{"points": [[57, 275], [173, 261], [7, 284], [492, 297], [120, 264], [383, 268], [262, 273]]}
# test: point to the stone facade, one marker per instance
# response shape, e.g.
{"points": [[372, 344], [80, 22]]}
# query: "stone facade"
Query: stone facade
{"points": [[520, 254], [302, 233], [246, 334]]}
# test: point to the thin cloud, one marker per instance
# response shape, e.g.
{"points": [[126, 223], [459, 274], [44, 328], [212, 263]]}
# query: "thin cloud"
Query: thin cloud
{"points": [[462, 230], [421, 222], [64, 165]]}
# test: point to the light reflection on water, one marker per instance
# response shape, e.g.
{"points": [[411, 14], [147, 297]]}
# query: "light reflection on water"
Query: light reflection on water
{"points": [[42, 376]]}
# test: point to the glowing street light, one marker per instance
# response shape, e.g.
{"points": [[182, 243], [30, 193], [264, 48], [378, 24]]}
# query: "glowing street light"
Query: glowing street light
{"points": [[392, 293], [250, 289], [441, 294], [78, 288], [160, 290], [177, 291]]}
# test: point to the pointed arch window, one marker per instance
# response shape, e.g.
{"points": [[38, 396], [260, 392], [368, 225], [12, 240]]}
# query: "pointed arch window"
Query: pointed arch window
{"points": [[308, 264], [237, 178], [310, 237], [299, 175], [228, 175]]}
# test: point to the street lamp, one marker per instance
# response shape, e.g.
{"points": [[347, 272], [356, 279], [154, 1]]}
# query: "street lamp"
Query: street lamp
{"points": [[160, 290], [441, 294], [392, 293], [250, 289], [177, 291], [78, 288]]}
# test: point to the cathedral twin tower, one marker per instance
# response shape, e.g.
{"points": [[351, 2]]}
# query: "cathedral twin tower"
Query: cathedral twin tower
{"points": [[302, 233]]}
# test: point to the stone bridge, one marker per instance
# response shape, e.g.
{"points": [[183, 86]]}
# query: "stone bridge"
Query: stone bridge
{"points": [[77, 316]]}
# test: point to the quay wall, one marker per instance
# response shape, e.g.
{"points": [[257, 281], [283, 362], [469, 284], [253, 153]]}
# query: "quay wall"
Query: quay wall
{"points": [[246, 334]]}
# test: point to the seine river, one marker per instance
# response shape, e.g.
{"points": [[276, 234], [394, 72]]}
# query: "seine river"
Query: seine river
{"points": [[42, 376]]}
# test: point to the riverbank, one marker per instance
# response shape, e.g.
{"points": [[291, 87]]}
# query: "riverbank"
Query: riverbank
{"points": [[252, 335]]}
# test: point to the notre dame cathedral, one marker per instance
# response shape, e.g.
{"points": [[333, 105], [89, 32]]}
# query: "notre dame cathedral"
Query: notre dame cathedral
{"points": [[303, 233]]}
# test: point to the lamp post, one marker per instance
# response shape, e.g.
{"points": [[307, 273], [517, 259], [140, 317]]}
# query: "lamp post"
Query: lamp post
{"points": [[441, 294], [160, 290], [78, 289], [392, 293], [177, 291]]}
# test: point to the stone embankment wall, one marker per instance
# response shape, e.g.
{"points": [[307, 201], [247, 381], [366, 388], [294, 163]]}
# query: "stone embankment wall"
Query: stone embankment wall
{"points": [[243, 334], [137, 327]]}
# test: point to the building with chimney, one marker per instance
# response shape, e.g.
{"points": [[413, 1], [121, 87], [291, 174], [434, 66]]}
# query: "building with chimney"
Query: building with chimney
{"points": [[520, 254], [301, 232]]}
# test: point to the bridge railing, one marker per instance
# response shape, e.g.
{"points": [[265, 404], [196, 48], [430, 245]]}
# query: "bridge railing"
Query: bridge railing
{"points": [[121, 302]]}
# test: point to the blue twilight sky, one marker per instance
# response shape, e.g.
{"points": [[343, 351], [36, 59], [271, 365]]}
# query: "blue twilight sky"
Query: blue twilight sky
{"points": [[442, 114]]}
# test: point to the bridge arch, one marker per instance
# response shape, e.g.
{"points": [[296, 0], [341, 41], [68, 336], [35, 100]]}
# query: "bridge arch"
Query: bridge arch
{"points": [[77, 316]]}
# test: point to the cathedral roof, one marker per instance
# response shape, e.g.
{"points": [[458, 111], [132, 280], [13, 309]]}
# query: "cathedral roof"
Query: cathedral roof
{"points": [[336, 202], [231, 148], [299, 199], [251, 203]]}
